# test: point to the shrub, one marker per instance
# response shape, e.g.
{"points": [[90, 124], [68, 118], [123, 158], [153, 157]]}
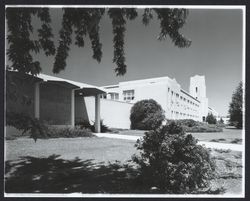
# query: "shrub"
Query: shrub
{"points": [[193, 126], [67, 132], [37, 129], [204, 128], [146, 115], [26, 124], [173, 162], [188, 122]]}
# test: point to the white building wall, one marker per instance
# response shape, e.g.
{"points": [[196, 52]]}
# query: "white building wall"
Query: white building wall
{"points": [[197, 89], [157, 91], [177, 103], [167, 92], [115, 114]]}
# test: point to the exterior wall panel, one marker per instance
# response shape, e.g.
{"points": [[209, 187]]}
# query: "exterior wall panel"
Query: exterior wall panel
{"points": [[25, 89], [115, 114], [80, 109], [55, 104]]}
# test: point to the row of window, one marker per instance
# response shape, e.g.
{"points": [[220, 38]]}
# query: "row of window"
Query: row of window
{"points": [[182, 98], [183, 114], [113, 96], [128, 95]]}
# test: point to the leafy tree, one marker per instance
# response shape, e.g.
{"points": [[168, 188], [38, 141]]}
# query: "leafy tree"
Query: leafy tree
{"points": [[210, 119], [235, 107], [146, 115], [82, 22], [221, 121]]}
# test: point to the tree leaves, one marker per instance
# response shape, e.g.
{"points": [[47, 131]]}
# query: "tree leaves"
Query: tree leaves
{"points": [[82, 22], [171, 20], [118, 22], [20, 41]]}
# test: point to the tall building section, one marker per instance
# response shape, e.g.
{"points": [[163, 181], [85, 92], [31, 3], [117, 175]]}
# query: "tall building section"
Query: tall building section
{"points": [[197, 89], [176, 102]]}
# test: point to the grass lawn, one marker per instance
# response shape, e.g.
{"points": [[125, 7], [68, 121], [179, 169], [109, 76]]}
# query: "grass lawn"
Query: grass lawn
{"points": [[98, 149], [90, 165]]}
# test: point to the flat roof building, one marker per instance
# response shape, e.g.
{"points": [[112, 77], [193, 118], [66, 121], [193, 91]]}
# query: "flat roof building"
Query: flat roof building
{"points": [[176, 102]]}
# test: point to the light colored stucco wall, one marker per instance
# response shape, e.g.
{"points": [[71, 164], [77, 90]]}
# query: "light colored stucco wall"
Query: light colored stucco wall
{"points": [[167, 92], [80, 110], [115, 114]]}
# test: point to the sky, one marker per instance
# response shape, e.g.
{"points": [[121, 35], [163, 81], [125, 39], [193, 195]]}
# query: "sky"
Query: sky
{"points": [[216, 52]]}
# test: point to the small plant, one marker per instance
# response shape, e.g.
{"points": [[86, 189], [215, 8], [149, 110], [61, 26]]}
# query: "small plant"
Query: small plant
{"points": [[146, 115], [173, 162]]}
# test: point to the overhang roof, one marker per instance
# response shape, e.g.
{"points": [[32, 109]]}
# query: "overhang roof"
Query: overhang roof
{"points": [[24, 76], [86, 89]]}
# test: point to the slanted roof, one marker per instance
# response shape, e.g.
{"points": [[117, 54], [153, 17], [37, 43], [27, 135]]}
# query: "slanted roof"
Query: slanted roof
{"points": [[23, 76], [87, 89]]}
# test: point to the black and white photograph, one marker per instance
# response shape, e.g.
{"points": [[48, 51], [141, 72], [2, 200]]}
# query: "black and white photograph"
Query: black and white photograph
{"points": [[125, 101]]}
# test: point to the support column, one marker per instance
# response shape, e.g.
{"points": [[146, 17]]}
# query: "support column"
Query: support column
{"points": [[97, 114], [37, 100], [73, 108]]}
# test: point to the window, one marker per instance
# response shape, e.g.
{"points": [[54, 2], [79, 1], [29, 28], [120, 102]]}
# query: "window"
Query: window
{"points": [[114, 96], [196, 89], [128, 95]]}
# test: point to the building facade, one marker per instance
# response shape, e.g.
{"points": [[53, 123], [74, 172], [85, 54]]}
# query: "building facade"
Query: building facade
{"points": [[176, 102], [61, 102], [54, 101]]}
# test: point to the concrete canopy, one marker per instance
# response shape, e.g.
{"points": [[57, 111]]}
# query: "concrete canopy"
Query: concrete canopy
{"points": [[86, 89]]}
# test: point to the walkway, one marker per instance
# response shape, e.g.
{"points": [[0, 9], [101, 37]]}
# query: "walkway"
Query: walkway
{"points": [[215, 145]]}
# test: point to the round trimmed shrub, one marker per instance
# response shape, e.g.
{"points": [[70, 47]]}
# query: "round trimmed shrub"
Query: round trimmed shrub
{"points": [[146, 115], [172, 162]]}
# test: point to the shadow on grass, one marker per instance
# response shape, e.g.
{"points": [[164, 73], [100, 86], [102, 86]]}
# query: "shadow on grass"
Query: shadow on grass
{"points": [[56, 175]]}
